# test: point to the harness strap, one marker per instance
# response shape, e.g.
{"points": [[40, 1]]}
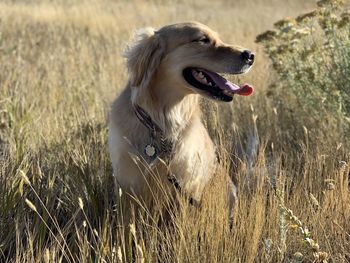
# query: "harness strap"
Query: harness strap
{"points": [[165, 145], [156, 132], [172, 179], [146, 120]]}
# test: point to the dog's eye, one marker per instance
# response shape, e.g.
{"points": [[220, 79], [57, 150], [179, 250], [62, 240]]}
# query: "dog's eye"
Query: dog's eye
{"points": [[203, 39]]}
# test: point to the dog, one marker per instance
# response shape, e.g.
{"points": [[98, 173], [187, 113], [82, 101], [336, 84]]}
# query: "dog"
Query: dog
{"points": [[155, 124]]}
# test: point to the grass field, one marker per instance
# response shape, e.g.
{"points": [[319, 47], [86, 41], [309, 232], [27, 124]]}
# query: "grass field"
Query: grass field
{"points": [[61, 66]]}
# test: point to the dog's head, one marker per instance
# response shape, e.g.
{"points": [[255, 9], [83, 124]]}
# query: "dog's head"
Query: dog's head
{"points": [[189, 56]]}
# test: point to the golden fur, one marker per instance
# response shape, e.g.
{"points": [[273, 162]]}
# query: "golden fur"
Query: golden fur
{"points": [[155, 62]]}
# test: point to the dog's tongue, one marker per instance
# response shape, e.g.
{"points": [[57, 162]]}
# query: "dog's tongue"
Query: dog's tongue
{"points": [[229, 87]]}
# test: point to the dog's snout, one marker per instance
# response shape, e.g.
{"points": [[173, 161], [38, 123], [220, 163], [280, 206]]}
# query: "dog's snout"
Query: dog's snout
{"points": [[247, 57]]}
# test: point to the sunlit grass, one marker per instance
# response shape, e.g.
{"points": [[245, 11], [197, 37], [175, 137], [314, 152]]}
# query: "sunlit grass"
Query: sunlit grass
{"points": [[61, 67], [310, 54]]}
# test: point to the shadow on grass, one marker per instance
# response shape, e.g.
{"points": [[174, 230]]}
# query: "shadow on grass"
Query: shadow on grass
{"points": [[70, 185]]}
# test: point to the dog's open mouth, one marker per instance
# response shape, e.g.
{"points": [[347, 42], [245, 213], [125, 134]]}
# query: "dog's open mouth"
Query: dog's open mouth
{"points": [[215, 85]]}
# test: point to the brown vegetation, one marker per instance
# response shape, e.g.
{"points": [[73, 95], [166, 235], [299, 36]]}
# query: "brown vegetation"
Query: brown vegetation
{"points": [[60, 68]]}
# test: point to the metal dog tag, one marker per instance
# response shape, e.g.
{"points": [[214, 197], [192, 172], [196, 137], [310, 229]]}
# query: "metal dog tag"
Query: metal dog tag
{"points": [[151, 151]]}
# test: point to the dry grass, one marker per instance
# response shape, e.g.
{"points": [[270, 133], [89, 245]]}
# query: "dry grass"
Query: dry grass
{"points": [[60, 68]]}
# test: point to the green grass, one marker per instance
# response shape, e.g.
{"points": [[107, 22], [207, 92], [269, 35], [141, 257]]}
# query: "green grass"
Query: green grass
{"points": [[310, 54]]}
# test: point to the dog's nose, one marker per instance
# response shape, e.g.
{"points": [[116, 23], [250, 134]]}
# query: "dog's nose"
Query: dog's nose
{"points": [[248, 57]]}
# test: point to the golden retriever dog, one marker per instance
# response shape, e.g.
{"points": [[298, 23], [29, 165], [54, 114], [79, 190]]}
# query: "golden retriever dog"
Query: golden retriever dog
{"points": [[155, 124]]}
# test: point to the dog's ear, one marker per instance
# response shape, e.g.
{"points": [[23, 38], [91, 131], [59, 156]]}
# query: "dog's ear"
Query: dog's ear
{"points": [[144, 57]]}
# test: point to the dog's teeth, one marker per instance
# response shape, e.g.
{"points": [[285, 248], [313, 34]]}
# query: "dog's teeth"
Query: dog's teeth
{"points": [[204, 80], [227, 92], [200, 74], [210, 84]]}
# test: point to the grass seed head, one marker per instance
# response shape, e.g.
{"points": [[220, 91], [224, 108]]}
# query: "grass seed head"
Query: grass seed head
{"points": [[120, 254], [24, 177], [47, 256], [81, 203], [31, 205], [314, 200], [133, 230]]}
